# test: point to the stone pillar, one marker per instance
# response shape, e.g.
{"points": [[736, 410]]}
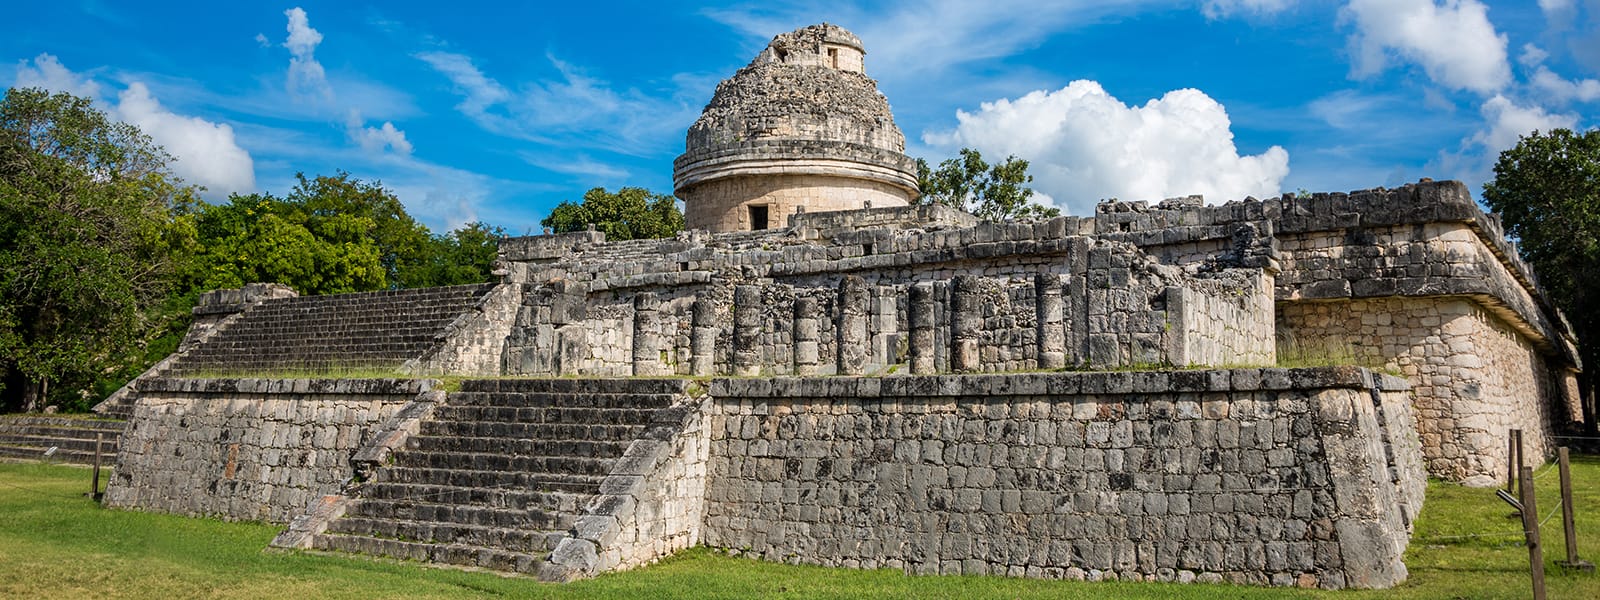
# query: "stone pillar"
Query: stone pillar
{"points": [[966, 323], [884, 327], [919, 314], [646, 334], [1051, 313], [703, 337], [747, 330], [854, 346], [807, 332]]}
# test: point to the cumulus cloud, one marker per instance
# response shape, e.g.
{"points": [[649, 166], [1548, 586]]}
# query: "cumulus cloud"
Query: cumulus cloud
{"points": [[1453, 41], [1085, 145], [206, 152], [47, 73], [376, 139], [1507, 121], [1556, 8], [1217, 9], [1561, 89], [306, 75]]}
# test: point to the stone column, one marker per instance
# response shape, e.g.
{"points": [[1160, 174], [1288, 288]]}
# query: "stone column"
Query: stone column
{"points": [[703, 337], [646, 334], [883, 327], [966, 323], [919, 315], [854, 301], [1051, 313], [747, 330], [806, 335]]}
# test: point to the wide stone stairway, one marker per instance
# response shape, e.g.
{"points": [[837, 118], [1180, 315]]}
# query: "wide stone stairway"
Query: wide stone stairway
{"points": [[374, 329], [499, 473], [32, 436]]}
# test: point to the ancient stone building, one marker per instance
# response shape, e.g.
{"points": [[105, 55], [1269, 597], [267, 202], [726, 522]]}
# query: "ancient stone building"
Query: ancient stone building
{"points": [[1250, 392], [801, 128]]}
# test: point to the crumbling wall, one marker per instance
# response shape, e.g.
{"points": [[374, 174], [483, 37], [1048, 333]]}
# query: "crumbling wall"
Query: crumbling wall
{"points": [[247, 449], [1263, 476]]}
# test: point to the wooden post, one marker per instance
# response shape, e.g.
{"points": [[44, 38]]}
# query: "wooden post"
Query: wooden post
{"points": [[1511, 459], [1530, 528], [94, 488], [1516, 467], [1567, 525]]}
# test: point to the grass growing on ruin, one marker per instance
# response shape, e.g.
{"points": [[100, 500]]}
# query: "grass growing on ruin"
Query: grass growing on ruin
{"points": [[55, 543]]}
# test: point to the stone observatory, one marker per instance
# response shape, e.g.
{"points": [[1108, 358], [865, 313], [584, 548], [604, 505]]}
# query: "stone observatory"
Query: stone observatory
{"points": [[800, 129]]}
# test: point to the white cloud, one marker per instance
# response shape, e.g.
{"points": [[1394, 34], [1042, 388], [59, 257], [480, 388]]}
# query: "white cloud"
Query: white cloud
{"points": [[1454, 42], [376, 139], [1556, 8], [47, 73], [1563, 90], [1217, 9], [479, 91], [1532, 55], [206, 152], [306, 75], [1507, 121], [1085, 145]]}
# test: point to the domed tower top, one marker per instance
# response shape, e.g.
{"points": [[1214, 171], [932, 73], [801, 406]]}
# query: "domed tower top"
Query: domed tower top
{"points": [[800, 128]]}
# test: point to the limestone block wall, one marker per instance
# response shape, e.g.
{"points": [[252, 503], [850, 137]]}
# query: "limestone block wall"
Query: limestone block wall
{"points": [[1475, 376], [723, 204], [1224, 321], [1263, 476], [247, 449], [473, 343]]}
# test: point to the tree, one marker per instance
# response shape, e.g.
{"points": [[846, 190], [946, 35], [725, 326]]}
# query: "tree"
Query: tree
{"points": [[631, 213], [465, 255], [996, 193], [87, 240], [1547, 191]]}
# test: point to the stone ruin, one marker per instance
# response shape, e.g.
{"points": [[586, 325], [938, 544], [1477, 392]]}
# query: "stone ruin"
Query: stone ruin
{"points": [[1084, 397]]}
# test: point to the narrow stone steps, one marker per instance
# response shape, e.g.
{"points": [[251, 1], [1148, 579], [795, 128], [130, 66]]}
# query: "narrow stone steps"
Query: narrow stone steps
{"points": [[429, 532], [533, 465], [498, 497], [550, 415], [457, 514], [533, 431], [108, 448], [599, 400], [517, 447], [539, 482], [450, 554]]}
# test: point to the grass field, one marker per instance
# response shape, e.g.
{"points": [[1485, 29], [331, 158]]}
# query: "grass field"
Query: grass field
{"points": [[56, 543]]}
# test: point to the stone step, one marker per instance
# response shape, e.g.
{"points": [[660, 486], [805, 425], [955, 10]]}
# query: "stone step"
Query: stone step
{"points": [[453, 554], [540, 482], [517, 447], [106, 425], [62, 456], [579, 386], [86, 446], [546, 414], [565, 464], [496, 497], [431, 532], [533, 431], [562, 399], [459, 514]]}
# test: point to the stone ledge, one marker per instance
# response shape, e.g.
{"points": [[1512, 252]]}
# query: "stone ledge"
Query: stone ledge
{"points": [[252, 385], [1036, 384]]}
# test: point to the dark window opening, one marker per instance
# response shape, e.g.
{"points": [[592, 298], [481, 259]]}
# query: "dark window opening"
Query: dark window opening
{"points": [[758, 217], [833, 57]]}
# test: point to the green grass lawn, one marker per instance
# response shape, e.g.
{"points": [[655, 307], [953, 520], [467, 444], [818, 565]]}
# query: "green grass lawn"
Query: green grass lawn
{"points": [[56, 543]]}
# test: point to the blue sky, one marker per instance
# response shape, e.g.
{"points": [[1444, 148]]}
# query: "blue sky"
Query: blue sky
{"points": [[496, 112]]}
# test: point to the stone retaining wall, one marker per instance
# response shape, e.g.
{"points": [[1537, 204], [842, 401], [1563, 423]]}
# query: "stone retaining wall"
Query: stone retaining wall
{"points": [[1264, 476], [248, 449]]}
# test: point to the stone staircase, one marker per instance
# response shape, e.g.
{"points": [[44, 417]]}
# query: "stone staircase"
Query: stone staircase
{"points": [[367, 330], [31, 436], [497, 476]]}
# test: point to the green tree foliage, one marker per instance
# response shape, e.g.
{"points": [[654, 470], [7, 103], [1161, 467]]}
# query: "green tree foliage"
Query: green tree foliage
{"points": [[631, 213], [465, 255], [88, 243], [1547, 191], [996, 192]]}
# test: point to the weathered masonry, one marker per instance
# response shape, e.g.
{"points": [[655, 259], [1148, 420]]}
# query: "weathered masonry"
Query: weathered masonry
{"points": [[875, 384]]}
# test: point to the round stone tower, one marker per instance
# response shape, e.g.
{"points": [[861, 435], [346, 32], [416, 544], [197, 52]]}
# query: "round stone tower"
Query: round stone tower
{"points": [[801, 128]]}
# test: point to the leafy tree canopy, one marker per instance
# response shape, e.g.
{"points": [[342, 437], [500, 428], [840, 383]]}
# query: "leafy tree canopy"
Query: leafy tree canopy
{"points": [[88, 244], [996, 192], [1547, 191], [629, 214]]}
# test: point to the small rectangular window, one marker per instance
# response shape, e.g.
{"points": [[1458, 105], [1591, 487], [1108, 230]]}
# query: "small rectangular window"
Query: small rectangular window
{"points": [[758, 217], [833, 57]]}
